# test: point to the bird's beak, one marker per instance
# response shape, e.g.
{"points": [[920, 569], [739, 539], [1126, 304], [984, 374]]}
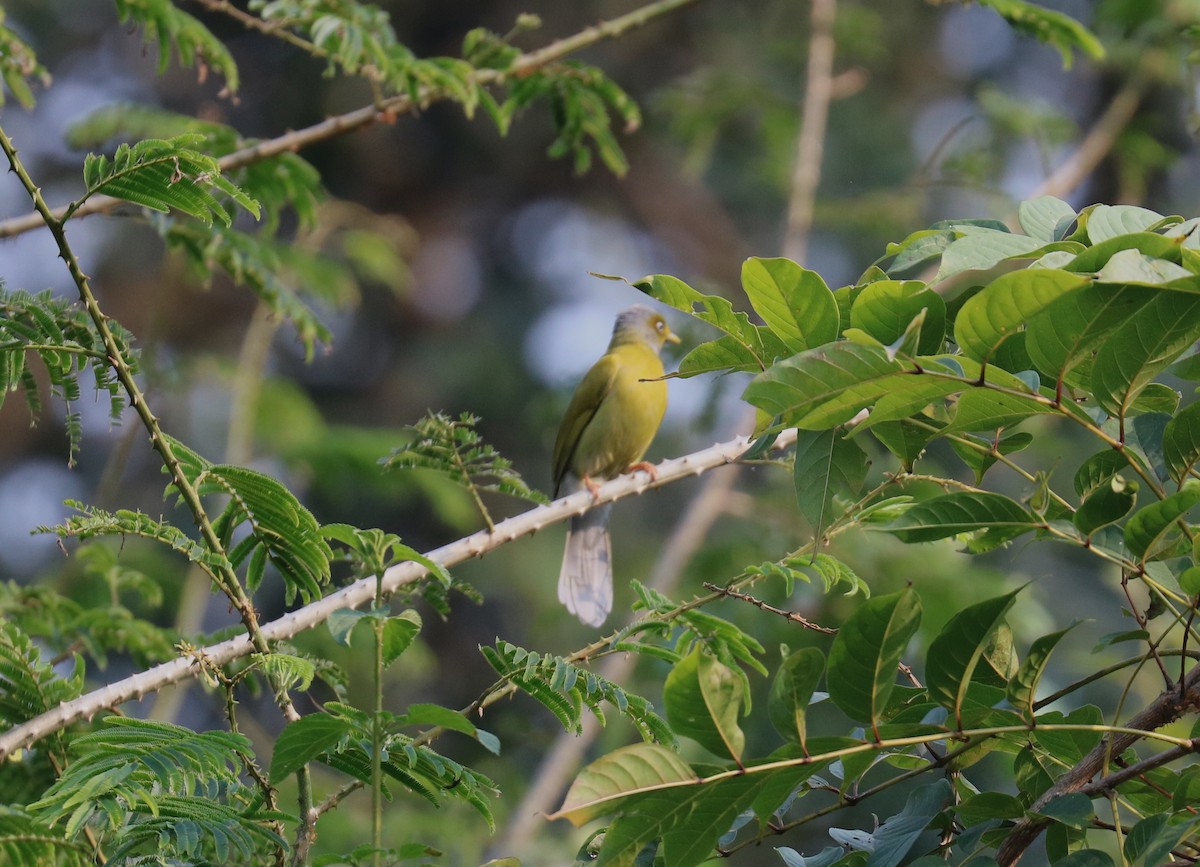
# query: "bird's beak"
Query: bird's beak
{"points": [[671, 337]]}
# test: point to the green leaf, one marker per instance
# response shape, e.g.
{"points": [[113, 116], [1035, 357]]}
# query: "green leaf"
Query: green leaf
{"points": [[1064, 336], [794, 302], [997, 518], [826, 465], [1109, 221], [399, 632], [791, 691], [702, 698], [1099, 469], [906, 438], [1181, 443], [1134, 267], [1045, 217], [1147, 533], [823, 387], [1086, 858], [1151, 840], [1143, 347], [957, 649], [1022, 689], [1106, 504], [896, 836], [989, 806], [1050, 26], [866, 651], [305, 740], [599, 788], [981, 455], [1073, 810], [1091, 260], [165, 174], [885, 308], [983, 249], [425, 714], [18, 67], [166, 24], [1003, 308]]}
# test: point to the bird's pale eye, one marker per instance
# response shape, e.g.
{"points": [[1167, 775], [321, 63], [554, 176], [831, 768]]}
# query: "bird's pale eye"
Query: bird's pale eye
{"points": [[660, 325]]}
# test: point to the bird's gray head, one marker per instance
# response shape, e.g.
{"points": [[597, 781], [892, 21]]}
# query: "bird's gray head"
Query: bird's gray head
{"points": [[643, 324]]}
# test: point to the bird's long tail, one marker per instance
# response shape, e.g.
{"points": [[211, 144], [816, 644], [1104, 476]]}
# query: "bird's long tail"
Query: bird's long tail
{"points": [[585, 584]]}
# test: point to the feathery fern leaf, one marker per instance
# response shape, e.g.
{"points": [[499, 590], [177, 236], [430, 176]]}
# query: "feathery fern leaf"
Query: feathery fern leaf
{"points": [[92, 522], [272, 270], [166, 24], [29, 686], [162, 174], [62, 336], [286, 530], [564, 689], [200, 830], [133, 771], [453, 448], [26, 841], [276, 182]]}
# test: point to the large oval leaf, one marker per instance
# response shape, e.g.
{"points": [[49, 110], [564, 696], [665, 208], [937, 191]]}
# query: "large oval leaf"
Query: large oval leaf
{"points": [[1148, 531], [1001, 309], [1000, 518], [885, 308], [793, 301], [1143, 347], [1181, 442], [600, 787], [702, 697], [866, 651], [956, 650], [1022, 688], [791, 691]]}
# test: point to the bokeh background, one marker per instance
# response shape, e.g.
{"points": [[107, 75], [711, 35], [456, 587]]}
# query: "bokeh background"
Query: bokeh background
{"points": [[482, 300]]}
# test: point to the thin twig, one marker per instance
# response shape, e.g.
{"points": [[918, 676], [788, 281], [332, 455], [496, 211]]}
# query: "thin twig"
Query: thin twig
{"points": [[754, 600], [810, 144], [385, 110]]}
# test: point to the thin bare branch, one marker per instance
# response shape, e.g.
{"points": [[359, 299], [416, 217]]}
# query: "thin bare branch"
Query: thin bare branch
{"points": [[385, 110]]}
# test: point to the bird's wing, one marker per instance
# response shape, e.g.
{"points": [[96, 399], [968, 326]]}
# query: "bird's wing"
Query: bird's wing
{"points": [[595, 386]]}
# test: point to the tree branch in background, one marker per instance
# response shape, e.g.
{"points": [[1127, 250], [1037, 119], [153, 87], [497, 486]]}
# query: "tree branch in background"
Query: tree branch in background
{"points": [[386, 109], [1098, 143], [810, 144], [363, 591]]}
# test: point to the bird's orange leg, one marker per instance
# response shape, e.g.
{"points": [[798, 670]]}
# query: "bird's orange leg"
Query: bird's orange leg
{"points": [[591, 485], [647, 466]]}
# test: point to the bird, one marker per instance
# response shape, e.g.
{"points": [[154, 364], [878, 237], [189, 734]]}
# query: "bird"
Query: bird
{"points": [[612, 417]]}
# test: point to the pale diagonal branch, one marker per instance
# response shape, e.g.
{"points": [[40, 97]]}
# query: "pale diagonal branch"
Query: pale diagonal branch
{"points": [[363, 591]]}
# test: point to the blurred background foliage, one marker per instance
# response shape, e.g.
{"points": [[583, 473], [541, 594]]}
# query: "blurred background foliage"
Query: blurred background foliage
{"points": [[451, 264]]}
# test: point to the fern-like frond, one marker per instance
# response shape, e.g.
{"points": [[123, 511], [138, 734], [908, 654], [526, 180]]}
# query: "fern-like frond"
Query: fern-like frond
{"points": [[92, 522], [63, 338], [26, 841], [453, 448], [165, 24], [277, 182], [281, 527], [166, 174], [274, 271], [201, 831], [29, 686], [129, 765], [564, 689], [18, 67]]}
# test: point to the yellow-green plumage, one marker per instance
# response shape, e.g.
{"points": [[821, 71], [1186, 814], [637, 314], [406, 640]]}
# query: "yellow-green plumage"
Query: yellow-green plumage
{"points": [[613, 416]]}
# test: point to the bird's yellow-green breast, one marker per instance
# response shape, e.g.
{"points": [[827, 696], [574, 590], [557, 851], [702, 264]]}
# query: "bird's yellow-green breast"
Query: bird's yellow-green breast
{"points": [[619, 404]]}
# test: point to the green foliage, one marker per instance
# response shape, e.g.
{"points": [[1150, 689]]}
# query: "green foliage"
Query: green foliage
{"points": [[166, 25], [565, 689], [62, 337], [166, 174], [29, 686], [453, 448]]}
